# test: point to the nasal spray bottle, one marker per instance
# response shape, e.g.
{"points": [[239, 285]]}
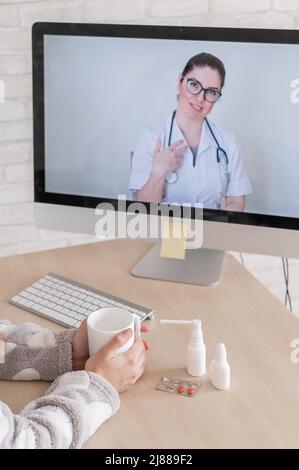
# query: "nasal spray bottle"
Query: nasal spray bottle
{"points": [[196, 349], [220, 369]]}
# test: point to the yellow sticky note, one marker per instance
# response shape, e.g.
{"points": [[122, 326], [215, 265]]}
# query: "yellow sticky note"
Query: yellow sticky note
{"points": [[174, 240]]}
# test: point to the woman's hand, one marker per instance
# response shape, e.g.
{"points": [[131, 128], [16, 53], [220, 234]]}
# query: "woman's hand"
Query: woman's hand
{"points": [[121, 370], [168, 159], [80, 352]]}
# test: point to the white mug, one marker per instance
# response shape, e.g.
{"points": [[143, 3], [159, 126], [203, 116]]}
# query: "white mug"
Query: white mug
{"points": [[105, 323]]}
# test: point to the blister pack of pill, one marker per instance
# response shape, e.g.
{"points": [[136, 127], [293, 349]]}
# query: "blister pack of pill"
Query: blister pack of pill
{"points": [[178, 386]]}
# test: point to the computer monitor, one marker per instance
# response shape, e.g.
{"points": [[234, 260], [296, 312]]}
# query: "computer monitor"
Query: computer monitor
{"points": [[104, 125]]}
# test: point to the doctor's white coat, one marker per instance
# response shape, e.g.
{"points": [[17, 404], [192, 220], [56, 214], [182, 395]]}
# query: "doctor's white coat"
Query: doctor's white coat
{"points": [[208, 182]]}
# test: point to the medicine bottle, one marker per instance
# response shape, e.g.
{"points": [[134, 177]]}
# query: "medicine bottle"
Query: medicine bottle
{"points": [[196, 351], [220, 369]]}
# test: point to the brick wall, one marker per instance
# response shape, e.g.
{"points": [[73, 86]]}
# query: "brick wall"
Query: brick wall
{"points": [[17, 230]]}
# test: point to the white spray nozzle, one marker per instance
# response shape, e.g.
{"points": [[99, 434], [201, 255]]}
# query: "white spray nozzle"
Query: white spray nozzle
{"points": [[177, 322], [196, 324], [196, 332], [220, 354]]}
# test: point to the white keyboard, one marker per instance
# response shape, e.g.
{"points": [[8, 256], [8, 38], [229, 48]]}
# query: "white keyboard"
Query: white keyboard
{"points": [[68, 302]]}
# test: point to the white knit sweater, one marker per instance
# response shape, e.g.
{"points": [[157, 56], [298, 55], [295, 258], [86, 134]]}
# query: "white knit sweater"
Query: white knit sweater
{"points": [[71, 410]]}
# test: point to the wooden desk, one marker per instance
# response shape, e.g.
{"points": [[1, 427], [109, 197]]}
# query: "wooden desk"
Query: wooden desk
{"points": [[261, 409]]}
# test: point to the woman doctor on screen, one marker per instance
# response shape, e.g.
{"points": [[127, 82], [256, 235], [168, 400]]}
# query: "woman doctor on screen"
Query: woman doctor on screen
{"points": [[189, 159]]}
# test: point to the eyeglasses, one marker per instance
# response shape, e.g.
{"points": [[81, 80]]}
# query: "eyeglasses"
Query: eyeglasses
{"points": [[195, 88]]}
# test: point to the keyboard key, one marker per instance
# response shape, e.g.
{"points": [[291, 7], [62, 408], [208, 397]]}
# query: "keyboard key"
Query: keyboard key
{"points": [[58, 316], [17, 299]]}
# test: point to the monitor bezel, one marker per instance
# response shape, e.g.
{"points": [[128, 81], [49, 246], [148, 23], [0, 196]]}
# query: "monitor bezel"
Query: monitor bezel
{"points": [[39, 29]]}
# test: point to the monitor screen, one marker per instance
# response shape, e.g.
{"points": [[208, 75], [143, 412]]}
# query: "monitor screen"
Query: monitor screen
{"points": [[173, 120]]}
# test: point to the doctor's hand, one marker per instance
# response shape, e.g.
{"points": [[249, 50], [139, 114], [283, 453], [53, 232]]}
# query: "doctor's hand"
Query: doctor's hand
{"points": [[168, 159]]}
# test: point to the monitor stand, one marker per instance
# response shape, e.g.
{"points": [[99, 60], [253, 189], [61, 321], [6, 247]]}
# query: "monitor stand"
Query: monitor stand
{"points": [[201, 266]]}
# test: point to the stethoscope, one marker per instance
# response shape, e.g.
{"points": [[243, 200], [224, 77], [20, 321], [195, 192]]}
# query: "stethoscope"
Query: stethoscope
{"points": [[172, 176]]}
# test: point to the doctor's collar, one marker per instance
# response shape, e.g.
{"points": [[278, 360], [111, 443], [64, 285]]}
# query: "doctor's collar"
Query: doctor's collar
{"points": [[206, 139]]}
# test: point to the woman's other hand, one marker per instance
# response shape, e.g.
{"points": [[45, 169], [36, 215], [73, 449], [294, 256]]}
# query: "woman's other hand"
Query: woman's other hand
{"points": [[80, 347]]}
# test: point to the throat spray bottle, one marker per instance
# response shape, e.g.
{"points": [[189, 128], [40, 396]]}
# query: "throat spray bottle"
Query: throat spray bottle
{"points": [[196, 351]]}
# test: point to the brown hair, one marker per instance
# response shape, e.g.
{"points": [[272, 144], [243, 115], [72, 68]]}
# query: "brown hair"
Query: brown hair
{"points": [[205, 60]]}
